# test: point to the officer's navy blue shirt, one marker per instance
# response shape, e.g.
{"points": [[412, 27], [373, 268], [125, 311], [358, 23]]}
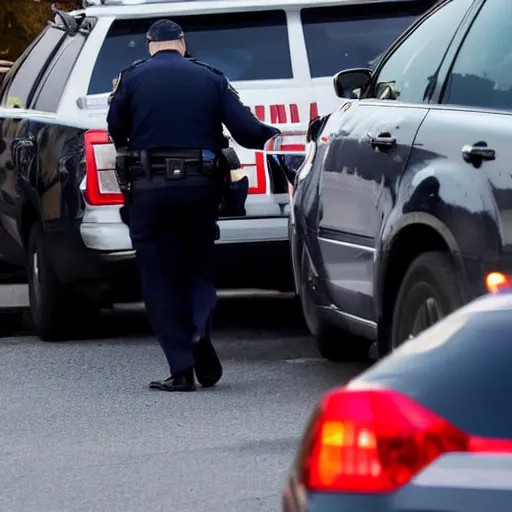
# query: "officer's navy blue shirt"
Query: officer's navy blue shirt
{"points": [[170, 101]]}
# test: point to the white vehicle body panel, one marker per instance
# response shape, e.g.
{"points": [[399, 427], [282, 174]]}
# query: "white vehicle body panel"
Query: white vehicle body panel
{"points": [[102, 228]]}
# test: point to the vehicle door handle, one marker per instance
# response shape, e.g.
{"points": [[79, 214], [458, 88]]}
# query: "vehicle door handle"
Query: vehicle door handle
{"points": [[477, 153], [383, 140]]}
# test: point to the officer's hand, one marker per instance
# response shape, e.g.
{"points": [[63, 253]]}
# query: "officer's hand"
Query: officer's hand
{"points": [[277, 131]]}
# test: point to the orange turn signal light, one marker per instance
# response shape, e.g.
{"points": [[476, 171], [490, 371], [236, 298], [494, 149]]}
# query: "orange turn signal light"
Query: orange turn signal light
{"points": [[496, 281]]}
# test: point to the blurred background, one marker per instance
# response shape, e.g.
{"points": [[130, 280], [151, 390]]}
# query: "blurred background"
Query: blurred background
{"points": [[21, 20]]}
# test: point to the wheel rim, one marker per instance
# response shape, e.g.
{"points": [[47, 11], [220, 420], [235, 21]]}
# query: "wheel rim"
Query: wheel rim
{"points": [[428, 314]]}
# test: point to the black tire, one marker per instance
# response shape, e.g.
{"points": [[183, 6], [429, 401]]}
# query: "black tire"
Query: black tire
{"points": [[332, 343], [430, 291], [54, 312]]}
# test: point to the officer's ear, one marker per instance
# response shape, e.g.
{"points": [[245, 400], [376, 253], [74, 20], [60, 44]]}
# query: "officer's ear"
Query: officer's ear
{"points": [[183, 46]]}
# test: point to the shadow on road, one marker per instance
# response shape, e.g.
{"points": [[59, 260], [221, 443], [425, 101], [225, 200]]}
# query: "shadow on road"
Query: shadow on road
{"points": [[245, 329], [259, 316]]}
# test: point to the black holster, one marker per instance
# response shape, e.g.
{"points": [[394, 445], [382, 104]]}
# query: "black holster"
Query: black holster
{"points": [[125, 184], [228, 161]]}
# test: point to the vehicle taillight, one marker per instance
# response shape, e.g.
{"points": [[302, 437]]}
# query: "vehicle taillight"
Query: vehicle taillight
{"points": [[100, 157], [375, 441]]}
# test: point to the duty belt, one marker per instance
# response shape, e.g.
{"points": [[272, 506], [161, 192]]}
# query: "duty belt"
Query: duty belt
{"points": [[168, 164]]}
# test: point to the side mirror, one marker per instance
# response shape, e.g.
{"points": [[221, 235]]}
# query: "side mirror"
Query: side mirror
{"points": [[351, 82]]}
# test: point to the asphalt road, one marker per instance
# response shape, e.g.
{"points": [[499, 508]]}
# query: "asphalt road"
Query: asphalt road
{"points": [[81, 431]]}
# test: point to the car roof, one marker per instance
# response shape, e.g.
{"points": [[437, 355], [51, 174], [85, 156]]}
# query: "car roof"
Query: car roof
{"points": [[491, 302], [141, 8], [458, 369]]}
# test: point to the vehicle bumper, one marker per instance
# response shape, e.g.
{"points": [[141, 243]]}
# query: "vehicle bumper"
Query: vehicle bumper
{"points": [[102, 230], [455, 482], [98, 259]]}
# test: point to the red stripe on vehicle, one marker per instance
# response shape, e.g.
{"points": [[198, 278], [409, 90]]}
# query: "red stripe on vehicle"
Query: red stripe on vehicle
{"points": [[261, 182], [281, 113], [273, 114], [259, 112], [313, 111], [294, 113]]}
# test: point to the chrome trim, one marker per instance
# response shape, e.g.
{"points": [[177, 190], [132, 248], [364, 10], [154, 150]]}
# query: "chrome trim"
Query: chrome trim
{"points": [[250, 241], [354, 318], [121, 254], [347, 244]]}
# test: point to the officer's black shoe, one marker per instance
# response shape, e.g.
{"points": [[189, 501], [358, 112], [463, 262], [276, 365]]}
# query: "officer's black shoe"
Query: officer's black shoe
{"points": [[206, 362], [183, 381]]}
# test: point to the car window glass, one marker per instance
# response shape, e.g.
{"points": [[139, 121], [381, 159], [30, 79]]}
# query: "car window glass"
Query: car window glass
{"points": [[54, 82], [20, 88], [482, 73], [353, 36], [409, 73], [244, 46]]}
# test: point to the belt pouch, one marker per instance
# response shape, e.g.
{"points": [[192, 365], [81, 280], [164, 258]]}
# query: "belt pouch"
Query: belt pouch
{"points": [[175, 169]]}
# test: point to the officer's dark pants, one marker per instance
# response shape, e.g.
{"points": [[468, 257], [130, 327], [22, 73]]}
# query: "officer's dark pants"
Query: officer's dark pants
{"points": [[173, 232]]}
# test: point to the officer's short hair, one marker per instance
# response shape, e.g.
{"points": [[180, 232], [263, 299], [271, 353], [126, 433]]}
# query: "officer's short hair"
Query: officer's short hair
{"points": [[164, 30]]}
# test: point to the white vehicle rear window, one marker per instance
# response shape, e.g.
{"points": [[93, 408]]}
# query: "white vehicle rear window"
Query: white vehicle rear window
{"points": [[355, 36], [245, 46]]}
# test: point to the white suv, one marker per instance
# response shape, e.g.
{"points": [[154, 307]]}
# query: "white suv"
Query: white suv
{"points": [[59, 200]]}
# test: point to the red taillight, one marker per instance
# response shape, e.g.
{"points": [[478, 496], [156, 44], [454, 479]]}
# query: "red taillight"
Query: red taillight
{"points": [[102, 187], [375, 441]]}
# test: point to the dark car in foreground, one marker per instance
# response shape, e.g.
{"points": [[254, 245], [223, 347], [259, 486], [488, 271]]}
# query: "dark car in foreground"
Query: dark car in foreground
{"points": [[427, 429], [402, 209]]}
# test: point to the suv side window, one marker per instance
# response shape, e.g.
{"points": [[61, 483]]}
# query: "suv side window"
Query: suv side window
{"points": [[49, 92], [410, 72], [246, 46], [26, 76], [482, 74], [356, 34]]}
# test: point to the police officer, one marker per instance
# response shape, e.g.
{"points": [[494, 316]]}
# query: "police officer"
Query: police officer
{"points": [[167, 114]]}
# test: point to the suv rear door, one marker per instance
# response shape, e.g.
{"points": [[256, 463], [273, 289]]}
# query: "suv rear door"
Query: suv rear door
{"points": [[252, 49], [472, 129], [18, 92]]}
